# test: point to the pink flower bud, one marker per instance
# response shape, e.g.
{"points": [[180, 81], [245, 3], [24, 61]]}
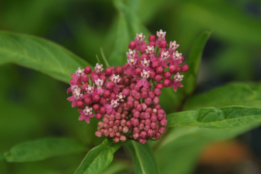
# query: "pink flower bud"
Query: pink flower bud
{"points": [[125, 129], [138, 72], [135, 122], [158, 78], [167, 75], [132, 45], [123, 138], [172, 69], [153, 125], [106, 93], [143, 134], [118, 70], [85, 78], [143, 48], [108, 71], [184, 68], [80, 104], [155, 64], [96, 98], [116, 140], [98, 134], [148, 101], [87, 70], [87, 100], [112, 96], [125, 92], [136, 114], [96, 107], [110, 85], [150, 133], [98, 115], [157, 91], [142, 141], [162, 130], [128, 124], [163, 43], [152, 38], [166, 82], [164, 122], [159, 70], [156, 100]]}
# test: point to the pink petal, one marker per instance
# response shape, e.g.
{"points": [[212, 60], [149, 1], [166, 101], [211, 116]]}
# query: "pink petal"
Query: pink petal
{"points": [[140, 82], [81, 112], [73, 75], [175, 87], [87, 119], [109, 110], [71, 98], [69, 90], [82, 117], [180, 85], [74, 103]]}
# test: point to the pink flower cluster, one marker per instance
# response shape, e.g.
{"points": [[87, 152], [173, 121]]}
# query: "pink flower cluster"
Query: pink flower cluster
{"points": [[126, 98]]}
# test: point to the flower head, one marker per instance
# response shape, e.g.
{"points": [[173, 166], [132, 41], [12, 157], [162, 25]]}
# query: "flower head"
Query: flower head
{"points": [[161, 34], [140, 37], [98, 68]]}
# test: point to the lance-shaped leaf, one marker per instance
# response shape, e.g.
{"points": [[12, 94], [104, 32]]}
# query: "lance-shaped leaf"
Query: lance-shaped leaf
{"points": [[144, 160], [244, 94], [39, 54], [217, 118], [42, 149], [194, 61], [98, 158]]}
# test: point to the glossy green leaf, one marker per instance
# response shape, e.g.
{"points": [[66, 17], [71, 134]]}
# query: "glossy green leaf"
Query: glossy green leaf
{"points": [[38, 54], [244, 94], [144, 160], [181, 148], [42, 149], [98, 158], [217, 118], [190, 78]]}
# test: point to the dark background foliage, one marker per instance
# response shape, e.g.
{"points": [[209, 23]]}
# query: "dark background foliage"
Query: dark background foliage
{"points": [[34, 105]]}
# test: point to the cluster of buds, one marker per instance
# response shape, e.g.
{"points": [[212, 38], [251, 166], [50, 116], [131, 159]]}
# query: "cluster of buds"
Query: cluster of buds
{"points": [[126, 98]]}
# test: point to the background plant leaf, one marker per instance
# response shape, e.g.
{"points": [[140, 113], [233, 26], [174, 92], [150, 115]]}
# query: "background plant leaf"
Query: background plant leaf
{"points": [[42, 149], [38, 54], [144, 160], [243, 94], [217, 118], [98, 158], [194, 62]]}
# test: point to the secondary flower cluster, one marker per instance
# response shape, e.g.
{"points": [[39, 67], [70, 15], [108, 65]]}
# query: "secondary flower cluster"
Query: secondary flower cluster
{"points": [[126, 98]]}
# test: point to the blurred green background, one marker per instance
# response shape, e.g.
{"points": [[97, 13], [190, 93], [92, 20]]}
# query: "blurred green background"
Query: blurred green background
{"points": [[34, 105]]}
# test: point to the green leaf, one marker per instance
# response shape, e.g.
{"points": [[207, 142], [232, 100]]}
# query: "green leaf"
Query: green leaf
{"points": [[190, 78], [230, 23], [244, 94], [116, 168], [39, 54], [118, 55], [217, 118], [144, 160], [42, 149], [181, 148], [128, 25], [98, 158]]}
